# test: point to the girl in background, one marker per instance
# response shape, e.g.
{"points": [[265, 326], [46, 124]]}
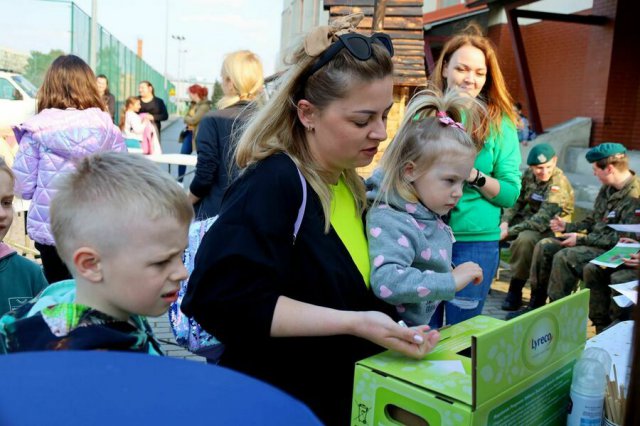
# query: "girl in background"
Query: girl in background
{"points": [[131, 124], [71, 123], [137, 129]]}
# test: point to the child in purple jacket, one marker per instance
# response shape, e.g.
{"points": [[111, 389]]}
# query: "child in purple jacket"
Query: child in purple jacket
{"points": [[71, 123]]}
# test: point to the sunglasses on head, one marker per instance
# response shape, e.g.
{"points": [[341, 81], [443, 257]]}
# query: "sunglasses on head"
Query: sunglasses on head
{"points": [[358, 45]]}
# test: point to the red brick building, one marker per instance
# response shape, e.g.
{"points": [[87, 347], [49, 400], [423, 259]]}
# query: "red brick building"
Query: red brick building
{"points": [[588, 68]]}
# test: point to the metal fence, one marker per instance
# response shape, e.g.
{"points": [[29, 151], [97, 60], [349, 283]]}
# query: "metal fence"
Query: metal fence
{"points": [[124, 69]]}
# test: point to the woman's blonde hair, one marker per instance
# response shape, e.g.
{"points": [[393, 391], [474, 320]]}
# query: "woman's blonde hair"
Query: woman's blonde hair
{"points": [[494, 93], [244, 69], [276, 127], [69, 83], [424, 138]]}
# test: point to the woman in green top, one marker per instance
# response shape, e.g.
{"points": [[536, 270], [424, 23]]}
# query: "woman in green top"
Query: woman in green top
{"points": [[468, 62]]}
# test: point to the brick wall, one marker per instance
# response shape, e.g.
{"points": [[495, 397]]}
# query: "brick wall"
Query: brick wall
{"points": [[580, 70], [622, 114]]}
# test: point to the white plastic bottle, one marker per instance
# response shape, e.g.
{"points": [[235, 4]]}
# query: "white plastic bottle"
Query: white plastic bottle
{"points": [[601, 355], [587, 393]]}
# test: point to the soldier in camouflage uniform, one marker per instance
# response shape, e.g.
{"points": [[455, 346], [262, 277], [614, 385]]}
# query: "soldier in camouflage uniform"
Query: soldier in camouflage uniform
{"points": [[558, 264], [602, 309], [545, 193]]}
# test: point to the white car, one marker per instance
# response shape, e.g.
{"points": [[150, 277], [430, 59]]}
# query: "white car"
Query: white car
{"points": [[17, 99]]}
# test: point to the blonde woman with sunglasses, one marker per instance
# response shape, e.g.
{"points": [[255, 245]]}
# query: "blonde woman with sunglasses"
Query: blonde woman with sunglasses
{"points": [[299, 313]]}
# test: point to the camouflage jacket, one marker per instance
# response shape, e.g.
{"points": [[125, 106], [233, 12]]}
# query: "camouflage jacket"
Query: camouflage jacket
{"points": [[611, 206], [539, 202]]}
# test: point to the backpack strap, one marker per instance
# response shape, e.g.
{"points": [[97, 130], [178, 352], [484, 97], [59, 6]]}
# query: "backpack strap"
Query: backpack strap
{"points": [[303, 205]]}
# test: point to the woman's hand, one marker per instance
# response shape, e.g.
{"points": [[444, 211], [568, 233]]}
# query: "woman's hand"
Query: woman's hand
{"points": [[382, 330], [292, 318]]}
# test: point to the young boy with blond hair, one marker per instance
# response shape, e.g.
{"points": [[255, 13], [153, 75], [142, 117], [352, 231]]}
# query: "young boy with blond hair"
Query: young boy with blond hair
{"points": [[120, 225]]}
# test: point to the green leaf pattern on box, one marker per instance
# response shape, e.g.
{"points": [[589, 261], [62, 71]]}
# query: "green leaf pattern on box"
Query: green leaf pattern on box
{"points": [[428, 373], [505, 359]]}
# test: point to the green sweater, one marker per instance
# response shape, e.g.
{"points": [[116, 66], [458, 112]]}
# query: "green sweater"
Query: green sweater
{"points": [[477, 218], [20, 281]]}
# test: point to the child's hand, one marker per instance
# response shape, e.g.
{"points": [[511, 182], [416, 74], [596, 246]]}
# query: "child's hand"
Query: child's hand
{"points": [[466, 273]]}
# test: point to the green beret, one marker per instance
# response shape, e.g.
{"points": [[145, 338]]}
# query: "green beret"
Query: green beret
{"points": [[540, 154], [605, 150]]}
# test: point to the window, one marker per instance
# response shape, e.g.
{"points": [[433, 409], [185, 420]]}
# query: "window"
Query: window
{"points": [[7, 91], [25, 85]]}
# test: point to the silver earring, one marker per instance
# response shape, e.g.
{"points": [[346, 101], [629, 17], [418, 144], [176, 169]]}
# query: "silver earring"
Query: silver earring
{"points": [[310, 128]]}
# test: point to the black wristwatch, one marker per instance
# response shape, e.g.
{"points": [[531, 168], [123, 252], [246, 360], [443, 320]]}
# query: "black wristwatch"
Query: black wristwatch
{"points": [[479, 181]]}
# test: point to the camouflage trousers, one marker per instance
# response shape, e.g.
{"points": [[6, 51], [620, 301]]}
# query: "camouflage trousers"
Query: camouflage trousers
{"points": [[522, 252], [602, 309], [555, 270]]}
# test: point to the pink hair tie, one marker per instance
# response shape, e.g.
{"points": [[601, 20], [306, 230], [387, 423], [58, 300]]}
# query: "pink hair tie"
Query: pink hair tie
{"points": [[448, 121]]}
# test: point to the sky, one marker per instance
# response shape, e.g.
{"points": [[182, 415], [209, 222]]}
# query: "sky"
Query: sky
{"points": [[211, 29]]}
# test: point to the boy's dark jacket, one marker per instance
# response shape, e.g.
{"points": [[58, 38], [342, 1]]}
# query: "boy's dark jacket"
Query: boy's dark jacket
{"points": [[53, 321]]}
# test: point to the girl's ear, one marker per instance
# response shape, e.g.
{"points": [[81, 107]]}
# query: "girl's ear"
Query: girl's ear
{"points": [[306, 113], [409, 170]]}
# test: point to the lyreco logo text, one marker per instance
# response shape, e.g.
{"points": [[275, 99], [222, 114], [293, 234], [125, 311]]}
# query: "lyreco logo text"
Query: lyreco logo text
{"points": [[540, 340], [537, 344]]}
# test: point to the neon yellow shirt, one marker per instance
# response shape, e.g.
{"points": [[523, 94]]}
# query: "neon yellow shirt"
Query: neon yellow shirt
{"points": [[347, 222]]}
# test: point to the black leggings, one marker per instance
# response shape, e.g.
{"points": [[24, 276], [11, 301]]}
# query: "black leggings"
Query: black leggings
{"points": [[54, 268]]}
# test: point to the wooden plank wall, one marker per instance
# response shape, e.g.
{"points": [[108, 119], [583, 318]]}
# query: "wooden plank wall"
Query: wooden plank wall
{"points": [[403, 22]]}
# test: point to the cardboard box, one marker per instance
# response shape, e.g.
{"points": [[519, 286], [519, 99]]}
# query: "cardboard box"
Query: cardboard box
{"points": [[484, 371]]}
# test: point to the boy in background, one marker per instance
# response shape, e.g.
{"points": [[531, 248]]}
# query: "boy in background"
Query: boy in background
{"points": [[20, 278], [120, 225]]}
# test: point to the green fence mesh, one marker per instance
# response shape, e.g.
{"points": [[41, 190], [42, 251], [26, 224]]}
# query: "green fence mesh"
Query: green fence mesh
{"points": [[121, 65]]}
